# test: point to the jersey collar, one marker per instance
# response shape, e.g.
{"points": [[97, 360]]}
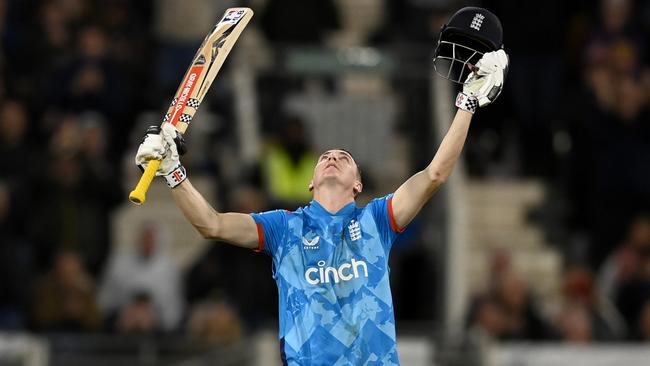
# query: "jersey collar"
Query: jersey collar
{"points": [[316, 207]]}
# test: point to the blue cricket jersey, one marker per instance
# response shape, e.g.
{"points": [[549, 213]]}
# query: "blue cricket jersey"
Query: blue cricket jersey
{"points": [[332, 276]]}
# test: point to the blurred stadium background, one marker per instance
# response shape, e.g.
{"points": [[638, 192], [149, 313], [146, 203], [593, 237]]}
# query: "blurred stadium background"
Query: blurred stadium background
{"points": [[536, 252]]}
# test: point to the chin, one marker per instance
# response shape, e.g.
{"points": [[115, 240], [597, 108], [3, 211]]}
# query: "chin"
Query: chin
{"points": [[330, 175], [330, 180]]}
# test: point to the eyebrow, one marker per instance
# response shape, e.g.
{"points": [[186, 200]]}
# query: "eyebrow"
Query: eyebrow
{"points": [[339, 151]]}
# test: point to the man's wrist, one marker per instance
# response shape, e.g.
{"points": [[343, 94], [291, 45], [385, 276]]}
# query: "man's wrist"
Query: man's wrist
{"points": [[466, 102], [176, 176]]}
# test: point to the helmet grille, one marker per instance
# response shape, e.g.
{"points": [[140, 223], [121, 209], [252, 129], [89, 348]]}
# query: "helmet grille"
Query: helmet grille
{"points": [[454, 61]]}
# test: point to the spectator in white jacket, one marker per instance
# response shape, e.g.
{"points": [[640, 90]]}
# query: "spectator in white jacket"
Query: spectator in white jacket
{"points": [[144, 268]]}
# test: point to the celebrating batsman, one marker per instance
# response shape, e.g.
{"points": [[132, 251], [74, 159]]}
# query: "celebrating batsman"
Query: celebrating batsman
{"points": [[330, 258]]}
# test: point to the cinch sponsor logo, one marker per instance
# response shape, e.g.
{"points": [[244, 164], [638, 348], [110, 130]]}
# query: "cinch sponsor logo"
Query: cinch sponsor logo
{"points": [[345, 272]]}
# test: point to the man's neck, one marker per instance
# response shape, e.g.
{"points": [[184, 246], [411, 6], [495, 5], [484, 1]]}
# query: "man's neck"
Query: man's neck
{"points": [[333, 199]]}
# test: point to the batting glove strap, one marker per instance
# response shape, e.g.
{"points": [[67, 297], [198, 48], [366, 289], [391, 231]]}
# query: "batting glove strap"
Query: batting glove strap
{"points": [[466, 102], [176, 176]]}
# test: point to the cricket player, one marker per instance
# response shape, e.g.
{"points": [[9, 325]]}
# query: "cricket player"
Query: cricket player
{"points": [[330, 258]]}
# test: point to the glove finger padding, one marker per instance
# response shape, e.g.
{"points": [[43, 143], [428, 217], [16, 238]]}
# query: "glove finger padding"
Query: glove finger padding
{"points": [[160, 144], [163, 144], [173, 172], [170, 159], [487, 82], [491, 62], [152, 147], [170, 136]]}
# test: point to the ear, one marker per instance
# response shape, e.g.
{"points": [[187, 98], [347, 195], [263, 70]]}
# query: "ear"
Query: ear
{"points": [[358, 188], [311, 186]]}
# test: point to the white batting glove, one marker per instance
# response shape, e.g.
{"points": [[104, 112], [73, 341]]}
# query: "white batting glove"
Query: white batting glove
{"points": [[484, 85], [163, 144]]}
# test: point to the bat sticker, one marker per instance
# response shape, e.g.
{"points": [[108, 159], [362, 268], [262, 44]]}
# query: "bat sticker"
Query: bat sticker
{"points": [[233, 16]]}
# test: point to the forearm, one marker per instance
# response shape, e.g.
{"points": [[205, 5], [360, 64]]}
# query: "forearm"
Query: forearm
{"points": [[450, 149], [235, 228], [231, 227], [196, 209]]}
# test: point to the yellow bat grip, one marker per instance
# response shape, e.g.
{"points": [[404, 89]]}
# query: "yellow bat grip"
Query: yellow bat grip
{"points": [[137, 196]]}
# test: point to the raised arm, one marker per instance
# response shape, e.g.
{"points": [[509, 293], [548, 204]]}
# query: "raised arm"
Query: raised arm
{"points": [[480, 89], [418, 189], [234, 228]]}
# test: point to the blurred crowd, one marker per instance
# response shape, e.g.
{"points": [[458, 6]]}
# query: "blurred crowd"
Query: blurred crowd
{"points": [[577, 116], [76, 76], [612, 304]]}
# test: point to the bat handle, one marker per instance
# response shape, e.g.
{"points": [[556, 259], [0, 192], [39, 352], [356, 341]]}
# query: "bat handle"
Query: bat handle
{"points": [[138, 195]]}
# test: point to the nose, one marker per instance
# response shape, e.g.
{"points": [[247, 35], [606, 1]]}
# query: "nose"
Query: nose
{"points": [[332, 157]]}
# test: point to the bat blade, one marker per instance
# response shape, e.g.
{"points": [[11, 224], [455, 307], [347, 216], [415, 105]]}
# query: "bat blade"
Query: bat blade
{"points": [[205, 65]]}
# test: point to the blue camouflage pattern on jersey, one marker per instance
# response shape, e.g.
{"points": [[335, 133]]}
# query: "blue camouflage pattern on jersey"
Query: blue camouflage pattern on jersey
{"points": [[333, 282]]}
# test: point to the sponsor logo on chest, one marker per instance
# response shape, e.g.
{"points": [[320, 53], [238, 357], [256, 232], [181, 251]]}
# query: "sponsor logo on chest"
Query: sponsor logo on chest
{"points": [[310, 244], [345, 272]]}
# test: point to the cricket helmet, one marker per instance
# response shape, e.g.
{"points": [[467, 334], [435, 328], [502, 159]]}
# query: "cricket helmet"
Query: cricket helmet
{"points": [[468, 34]]}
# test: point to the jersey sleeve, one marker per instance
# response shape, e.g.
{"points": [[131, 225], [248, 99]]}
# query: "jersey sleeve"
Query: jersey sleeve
{"points": [[382, 211], [271, 228]]}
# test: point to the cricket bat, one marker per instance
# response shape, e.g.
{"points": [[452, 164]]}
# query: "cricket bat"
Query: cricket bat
{"points": [[197, 80]]}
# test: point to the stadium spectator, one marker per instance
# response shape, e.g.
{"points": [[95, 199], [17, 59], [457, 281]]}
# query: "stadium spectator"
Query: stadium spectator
{"points": [[78, 193], [644, 323], [574, 324], [65, 298], [215, 322], [54, 24], [579, 290], [18, 172], [531, 113], [178, 26], [633, 293], [487, 319], [213, 273], [506, 311], [622, 265], [138, 316], [615, 21], [90, 80], [145, 267], [287, 165], [611, 132], [16, 265], [522, 319]]}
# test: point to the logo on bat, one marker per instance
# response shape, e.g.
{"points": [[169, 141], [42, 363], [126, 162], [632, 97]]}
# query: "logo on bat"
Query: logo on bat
{"points": [[180, 103], [233, 16]]}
